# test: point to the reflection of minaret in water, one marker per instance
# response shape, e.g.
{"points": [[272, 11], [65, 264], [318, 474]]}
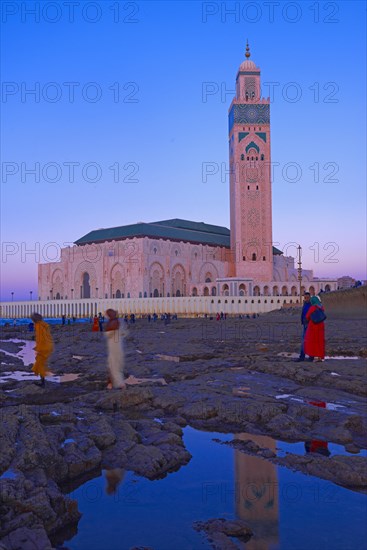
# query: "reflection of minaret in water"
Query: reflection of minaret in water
{"points": [[257, 500]]}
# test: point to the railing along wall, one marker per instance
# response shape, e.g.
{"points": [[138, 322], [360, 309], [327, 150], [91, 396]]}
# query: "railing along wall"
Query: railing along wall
{"points": [[184, 306]]}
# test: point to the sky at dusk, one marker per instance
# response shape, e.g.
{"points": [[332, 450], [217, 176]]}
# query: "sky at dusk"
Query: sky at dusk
{"points": [[116, 112]]}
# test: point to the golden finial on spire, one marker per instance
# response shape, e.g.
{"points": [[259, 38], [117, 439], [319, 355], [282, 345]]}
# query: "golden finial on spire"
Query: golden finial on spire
{"points": [[247, 54]]}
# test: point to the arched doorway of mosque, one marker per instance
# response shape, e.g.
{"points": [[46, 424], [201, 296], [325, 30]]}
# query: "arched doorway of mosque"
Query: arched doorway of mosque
{"points": [[85, 289]]}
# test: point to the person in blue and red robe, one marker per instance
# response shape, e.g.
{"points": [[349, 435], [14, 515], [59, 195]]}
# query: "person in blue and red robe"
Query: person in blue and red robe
{"points": [[315, 333]]}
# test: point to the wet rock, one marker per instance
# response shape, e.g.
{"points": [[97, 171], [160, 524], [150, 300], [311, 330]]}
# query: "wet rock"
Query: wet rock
{"points": [[9, 426], [348, 471], [199, 410], [80, 456], [27, 505], [34, 449], [248, 446], [283, 424], [155, 462], [168, 400], [172, 427], [98, 429], [25, 538], [124, 399], [219, 532], [351, 448]]}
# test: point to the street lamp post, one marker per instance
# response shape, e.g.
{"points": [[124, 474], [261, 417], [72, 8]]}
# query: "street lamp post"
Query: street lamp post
{"points": [[12, 295], [30, 294], [72, 293], [300, 273], [97, 292], [50, 293]]}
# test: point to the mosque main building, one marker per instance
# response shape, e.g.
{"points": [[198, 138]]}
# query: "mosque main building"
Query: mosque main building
{"points": [[186, 258]]}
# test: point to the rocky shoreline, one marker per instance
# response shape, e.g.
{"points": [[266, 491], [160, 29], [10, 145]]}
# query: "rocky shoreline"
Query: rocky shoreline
{"points": [[230, 376]]}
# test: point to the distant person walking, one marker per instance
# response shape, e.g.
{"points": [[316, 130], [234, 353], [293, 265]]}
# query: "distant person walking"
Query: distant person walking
{"points": [[306, 306], [315, 333], [115, 352], [44, 346], [95, 327]]}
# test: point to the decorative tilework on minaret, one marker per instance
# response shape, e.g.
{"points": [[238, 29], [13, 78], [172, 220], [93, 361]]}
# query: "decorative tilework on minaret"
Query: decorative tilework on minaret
{"points": [[250, 178]]}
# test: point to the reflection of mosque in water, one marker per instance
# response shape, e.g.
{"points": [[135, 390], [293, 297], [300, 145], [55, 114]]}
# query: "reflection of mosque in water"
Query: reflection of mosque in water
{"points": [[257, 500]]}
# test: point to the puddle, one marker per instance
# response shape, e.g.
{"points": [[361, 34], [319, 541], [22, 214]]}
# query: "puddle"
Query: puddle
{"points": [[163, 357], [273, 500], [70, 377], [324, 405], [26, 354], [8, 474], [22, 376], [298, 448], [67, 441], [327, 357]]}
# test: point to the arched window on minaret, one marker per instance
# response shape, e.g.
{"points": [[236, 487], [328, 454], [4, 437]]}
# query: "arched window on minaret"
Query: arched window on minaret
{"points": [[242, 157], [254, 257]]}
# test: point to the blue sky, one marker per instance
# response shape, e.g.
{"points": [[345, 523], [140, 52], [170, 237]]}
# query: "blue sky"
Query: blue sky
{"points": [[125, 84]]}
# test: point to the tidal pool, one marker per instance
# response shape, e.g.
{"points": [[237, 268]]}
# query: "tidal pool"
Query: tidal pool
{"points": [[26, 353], [286, 510]]}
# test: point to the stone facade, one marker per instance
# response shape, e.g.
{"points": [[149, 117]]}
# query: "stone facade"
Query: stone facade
{"points": [[143, 268], [133, 268]]}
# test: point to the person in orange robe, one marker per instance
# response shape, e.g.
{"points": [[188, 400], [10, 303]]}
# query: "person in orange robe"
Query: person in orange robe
{"points": [[44, 346], [95, 327], [315, 333]]}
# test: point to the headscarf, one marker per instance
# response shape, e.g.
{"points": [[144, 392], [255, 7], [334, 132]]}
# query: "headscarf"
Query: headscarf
{"points": [[315, 301], [36, 317], [112, 313]]}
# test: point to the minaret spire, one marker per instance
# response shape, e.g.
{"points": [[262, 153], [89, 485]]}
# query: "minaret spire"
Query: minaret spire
{"points": [[247, 54]]}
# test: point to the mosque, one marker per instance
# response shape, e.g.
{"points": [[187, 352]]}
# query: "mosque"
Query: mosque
{"points": [[187, 258]]}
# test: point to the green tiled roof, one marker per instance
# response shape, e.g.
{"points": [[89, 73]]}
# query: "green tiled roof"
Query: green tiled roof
{"points": [[173, 230]]}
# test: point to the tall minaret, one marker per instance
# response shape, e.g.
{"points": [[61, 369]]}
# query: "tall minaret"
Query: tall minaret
{"points": [[250, 179]]}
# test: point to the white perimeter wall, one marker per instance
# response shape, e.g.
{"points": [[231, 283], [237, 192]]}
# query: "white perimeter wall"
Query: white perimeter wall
{"points": [[185, 306]]}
